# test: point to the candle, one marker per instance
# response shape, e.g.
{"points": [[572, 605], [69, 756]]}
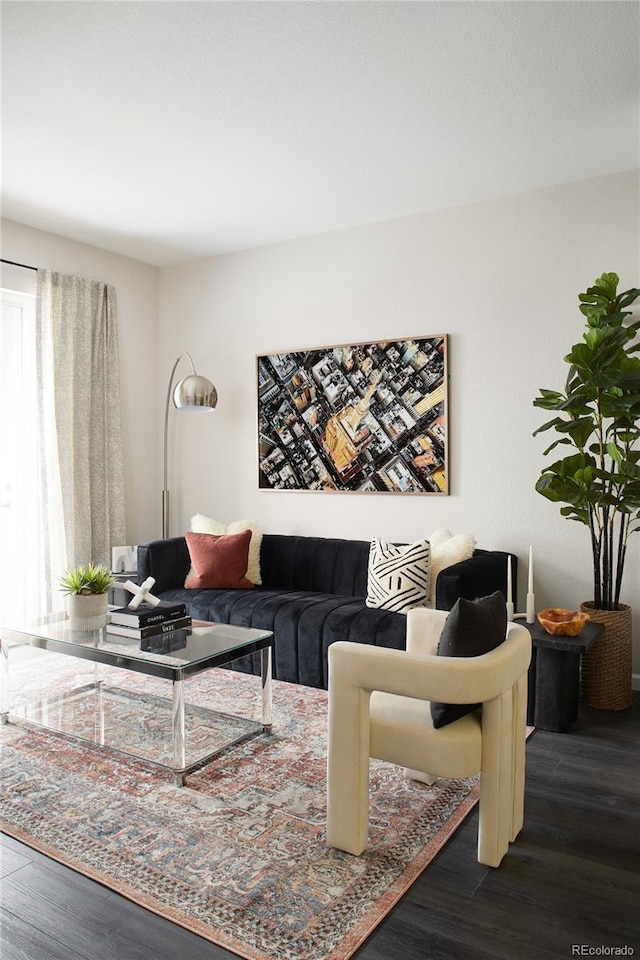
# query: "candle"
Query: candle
{"points": [[509, 591], [531, 600]]}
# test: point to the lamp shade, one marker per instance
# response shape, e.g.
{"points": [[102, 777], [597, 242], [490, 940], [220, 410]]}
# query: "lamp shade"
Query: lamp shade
{"points": [[195, 392]]}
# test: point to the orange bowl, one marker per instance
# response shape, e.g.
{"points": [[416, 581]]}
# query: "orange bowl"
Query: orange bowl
{"points": [[562, 623]]}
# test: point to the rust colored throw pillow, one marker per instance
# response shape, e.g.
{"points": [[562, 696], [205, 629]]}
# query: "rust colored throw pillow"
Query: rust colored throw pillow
{"points": [[218, 562]]}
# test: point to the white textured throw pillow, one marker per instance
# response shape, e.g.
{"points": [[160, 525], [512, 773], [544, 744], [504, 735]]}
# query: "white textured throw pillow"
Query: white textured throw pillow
{"points": [[438, 537], [203, 524], [447, 551], [398, 576]]}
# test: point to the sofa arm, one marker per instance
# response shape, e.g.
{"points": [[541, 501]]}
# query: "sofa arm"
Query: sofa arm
{"points": [[167, 561], [483, 574]]}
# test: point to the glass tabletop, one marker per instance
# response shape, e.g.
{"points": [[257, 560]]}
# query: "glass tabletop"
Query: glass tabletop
{"points": [[175, 655]]}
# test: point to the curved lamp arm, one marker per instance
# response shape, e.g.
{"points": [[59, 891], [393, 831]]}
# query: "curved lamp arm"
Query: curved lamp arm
{"points": [[192, 392]]}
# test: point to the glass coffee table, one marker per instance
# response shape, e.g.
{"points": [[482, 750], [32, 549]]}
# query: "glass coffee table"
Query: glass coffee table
{"points": [[166, 731]]}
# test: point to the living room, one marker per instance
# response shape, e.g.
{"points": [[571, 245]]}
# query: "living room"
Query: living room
{"points": [[493, 252]]}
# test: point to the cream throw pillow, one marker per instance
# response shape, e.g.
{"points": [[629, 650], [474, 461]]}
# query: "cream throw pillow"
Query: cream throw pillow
{"points": [[203, 524], [447, 549], [438, 537]]}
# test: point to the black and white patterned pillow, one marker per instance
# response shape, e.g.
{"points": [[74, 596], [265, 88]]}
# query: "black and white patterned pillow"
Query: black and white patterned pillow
{"points": [[398, 576]]}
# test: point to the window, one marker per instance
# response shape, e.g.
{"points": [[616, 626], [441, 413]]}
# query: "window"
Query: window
{"points": [[27, 567]]}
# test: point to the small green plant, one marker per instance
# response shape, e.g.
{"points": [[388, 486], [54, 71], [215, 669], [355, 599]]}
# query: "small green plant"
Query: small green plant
{"points": [[87, 579], [599, 419]]}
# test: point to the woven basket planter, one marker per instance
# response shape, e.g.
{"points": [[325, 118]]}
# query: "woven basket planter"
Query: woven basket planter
{"points": [[606, 668]]}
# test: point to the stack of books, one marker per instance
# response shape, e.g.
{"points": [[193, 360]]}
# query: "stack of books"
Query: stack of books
{"points": [[148, 621]]}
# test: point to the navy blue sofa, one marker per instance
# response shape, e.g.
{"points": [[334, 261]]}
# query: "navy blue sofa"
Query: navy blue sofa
{"points": [[313, 593]]}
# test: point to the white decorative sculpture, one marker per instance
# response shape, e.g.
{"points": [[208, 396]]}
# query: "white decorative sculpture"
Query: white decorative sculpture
{"points": [[141, 593]]}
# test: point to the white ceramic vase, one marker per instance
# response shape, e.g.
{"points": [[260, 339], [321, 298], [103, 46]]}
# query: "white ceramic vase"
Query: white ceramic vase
{"points": [[87, 612]]}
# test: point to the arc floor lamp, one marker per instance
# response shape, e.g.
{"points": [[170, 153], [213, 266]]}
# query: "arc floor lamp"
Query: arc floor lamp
{"points": [[193, 392]]}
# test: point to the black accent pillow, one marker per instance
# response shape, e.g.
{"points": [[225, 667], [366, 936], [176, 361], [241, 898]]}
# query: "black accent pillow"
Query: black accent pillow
{"points": [[472, 628]]}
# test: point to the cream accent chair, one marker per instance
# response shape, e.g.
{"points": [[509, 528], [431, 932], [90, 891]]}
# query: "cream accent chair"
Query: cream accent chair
{"points": [[379, 707]]}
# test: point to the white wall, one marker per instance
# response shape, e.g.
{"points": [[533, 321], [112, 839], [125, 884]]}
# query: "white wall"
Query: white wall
{"points": [[137, 295], [500, 277]]}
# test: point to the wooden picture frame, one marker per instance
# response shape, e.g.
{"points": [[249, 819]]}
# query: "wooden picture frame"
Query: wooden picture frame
{"points": [[363, 417]]}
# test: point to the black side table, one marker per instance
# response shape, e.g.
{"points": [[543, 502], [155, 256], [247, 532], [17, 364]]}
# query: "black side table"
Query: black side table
{"points": [[554, 675]]}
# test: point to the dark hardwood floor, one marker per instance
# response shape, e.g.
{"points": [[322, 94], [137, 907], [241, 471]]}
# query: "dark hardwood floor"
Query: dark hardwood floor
{"points": [[572, 878]]}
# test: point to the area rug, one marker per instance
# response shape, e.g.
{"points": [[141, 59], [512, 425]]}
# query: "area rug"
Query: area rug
{"points": [[237, 855]]}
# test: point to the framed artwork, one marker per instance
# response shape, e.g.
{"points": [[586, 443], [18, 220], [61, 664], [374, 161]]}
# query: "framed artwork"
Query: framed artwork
{"points": [[365, 417]]}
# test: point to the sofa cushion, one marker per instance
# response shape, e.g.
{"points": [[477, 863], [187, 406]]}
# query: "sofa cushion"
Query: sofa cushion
{"points": [[218, 562], [315, 563], [203, 524], [398, 575], [473, 627]]}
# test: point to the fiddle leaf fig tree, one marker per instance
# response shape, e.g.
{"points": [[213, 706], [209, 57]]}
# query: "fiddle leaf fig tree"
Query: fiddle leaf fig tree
{"points": [[598, 418]]}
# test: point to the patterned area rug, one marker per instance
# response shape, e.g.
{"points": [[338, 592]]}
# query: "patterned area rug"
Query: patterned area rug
{"points": [[238, 855]]}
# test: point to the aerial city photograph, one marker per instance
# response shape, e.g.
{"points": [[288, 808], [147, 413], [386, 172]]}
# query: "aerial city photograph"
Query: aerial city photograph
{"points": [[367, 417]]}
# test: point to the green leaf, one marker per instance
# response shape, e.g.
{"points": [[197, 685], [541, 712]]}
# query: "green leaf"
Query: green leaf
{"points": [[579, 430], [575, 513], [548, 425], [628, 297], [608, 282], [585, 477], [546, 403], [568, 466], [556, 443], [550, 394], [615, 453]]}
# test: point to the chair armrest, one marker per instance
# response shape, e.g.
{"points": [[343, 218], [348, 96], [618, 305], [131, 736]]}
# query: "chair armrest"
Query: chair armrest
{"points": [[429, 677]]}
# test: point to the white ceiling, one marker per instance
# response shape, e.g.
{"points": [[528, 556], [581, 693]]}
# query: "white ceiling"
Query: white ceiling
{"points": [[167, 131]]}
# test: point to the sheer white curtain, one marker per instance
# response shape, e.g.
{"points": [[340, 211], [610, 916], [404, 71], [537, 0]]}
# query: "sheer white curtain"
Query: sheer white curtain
{"points": [[61, 472], [26, 563], [77, 336]]}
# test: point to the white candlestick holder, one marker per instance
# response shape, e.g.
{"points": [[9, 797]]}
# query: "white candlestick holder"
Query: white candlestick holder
{"points": [[531, 608]]}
